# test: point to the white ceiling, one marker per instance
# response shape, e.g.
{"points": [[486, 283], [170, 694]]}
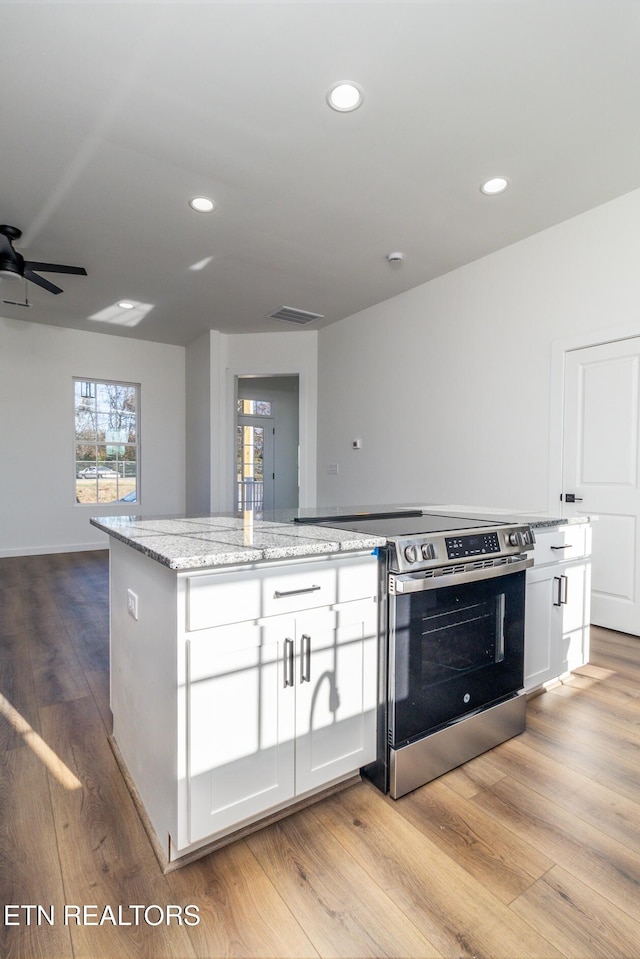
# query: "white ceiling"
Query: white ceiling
{"points": [[115, 114]]}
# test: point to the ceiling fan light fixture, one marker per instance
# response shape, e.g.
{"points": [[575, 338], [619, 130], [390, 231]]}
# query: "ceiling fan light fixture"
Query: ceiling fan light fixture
{"points": [[202, 204], [11, 264], [494, 186], [345, 96], [9, 270]]}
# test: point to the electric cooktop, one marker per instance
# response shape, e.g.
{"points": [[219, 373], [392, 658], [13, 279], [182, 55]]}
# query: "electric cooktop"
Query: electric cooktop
{"points": [[402, 523], [420, 541]]}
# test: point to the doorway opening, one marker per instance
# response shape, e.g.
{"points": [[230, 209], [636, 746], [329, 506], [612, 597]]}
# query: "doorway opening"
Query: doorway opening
{"points": [[266, 442]]}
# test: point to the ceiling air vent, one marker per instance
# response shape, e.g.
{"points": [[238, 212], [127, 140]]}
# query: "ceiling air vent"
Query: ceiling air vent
{"points": [[300, 317]]}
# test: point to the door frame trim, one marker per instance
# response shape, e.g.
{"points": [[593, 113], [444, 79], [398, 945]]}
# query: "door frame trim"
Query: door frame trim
{"points": [[307, 432], [559, 349]]}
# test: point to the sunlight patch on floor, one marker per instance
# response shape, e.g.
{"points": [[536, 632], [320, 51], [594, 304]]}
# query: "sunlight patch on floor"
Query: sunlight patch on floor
{"points": [[45, 754]]}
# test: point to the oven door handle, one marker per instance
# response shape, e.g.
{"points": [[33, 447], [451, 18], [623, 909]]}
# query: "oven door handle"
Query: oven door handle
{"points": [[415, 583]]}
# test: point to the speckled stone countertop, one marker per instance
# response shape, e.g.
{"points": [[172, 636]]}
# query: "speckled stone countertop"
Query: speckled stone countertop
{"points": [[490, 513], [197, 542], [223, 539]]}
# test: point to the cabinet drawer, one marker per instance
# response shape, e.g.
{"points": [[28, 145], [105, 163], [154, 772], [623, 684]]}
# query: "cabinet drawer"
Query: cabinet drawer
{"points": [[220, 598], [568, 542], [291, 590]]}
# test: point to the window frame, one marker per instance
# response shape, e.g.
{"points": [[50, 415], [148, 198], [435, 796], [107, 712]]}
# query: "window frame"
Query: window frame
{"points": [[93, 382]]}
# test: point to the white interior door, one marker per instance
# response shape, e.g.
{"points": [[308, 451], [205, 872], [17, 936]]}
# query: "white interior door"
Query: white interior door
{"points": [[601, 470]]}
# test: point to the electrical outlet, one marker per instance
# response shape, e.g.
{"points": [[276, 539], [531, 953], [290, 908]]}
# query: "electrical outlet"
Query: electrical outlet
{"points": [[132, 603]]}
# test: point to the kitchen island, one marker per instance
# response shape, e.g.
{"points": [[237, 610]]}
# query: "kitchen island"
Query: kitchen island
{"points": [[244, 670]]}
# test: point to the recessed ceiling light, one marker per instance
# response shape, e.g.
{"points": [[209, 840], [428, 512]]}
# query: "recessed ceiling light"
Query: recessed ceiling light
{"points": [[345, 96], [126, 304], [202, 204], [497, 184]]}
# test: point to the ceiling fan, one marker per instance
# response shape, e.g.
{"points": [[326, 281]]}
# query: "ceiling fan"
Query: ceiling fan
{"points": [[12, 264]]}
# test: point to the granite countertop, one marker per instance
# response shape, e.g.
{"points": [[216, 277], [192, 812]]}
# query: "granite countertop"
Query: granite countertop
{"points": [[197, 542], [223, 539], [500, 515]]}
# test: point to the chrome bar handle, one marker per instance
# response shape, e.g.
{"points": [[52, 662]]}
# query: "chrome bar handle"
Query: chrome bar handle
{"points": [[417, 582], [305, 658], [295, 592], [558, 580], [563, 590], [288, 662]]}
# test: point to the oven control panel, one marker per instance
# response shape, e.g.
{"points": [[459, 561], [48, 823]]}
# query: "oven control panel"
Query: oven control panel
{"points": [[449, 547], [481, 544]]}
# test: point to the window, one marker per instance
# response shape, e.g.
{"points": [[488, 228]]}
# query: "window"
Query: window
{"points": [[254, 407], [106, 441]]}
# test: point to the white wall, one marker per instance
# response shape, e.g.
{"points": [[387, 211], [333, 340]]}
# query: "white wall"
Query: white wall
{"points": [[448, 385], [38, 512], [198, 450], [206, 423]]}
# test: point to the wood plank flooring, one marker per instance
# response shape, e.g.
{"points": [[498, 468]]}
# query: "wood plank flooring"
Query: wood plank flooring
{"points": [[531, 850]]}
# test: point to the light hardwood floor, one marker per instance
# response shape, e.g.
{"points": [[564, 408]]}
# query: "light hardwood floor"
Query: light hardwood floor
{"points": [[531, 850]]}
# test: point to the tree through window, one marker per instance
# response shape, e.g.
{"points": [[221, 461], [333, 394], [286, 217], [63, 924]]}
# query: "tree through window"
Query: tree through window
{"points": [[106, 445]]}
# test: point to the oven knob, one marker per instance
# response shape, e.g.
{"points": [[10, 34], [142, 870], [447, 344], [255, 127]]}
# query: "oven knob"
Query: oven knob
{"points": [[411, 554], [516, 539], [428, 551]]}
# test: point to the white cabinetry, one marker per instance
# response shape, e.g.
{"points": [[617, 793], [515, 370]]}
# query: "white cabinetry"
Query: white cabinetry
{"points": [[264, 687], [277, 708], [557, 604]]}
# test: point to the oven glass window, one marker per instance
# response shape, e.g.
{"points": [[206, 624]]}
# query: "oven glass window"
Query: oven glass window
{"points": [[455, 649], [460, 636]]}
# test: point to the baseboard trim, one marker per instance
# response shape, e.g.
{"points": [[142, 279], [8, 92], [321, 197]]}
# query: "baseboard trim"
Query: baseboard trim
{"points": [[49, 550]]}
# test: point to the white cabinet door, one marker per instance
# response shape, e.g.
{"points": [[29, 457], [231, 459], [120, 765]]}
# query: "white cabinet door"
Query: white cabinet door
{"points": [[540, 629], [575, 618], [240, 724], [276, 705], [335, 692], [556, 621]]}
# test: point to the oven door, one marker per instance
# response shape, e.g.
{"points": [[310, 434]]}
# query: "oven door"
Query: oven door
{"points": [[454, 649]]}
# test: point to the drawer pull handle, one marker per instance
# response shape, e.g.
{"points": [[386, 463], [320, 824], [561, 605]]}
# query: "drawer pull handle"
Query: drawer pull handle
{"points": [[280, 594], [566, 546]]}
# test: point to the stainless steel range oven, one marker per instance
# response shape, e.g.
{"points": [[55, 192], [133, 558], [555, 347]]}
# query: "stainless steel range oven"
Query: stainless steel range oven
{"points": [[453, 642]]}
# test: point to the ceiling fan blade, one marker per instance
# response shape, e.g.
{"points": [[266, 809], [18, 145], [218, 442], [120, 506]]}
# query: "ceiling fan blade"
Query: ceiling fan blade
{"points": [[54, 268], [40, 281]]}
